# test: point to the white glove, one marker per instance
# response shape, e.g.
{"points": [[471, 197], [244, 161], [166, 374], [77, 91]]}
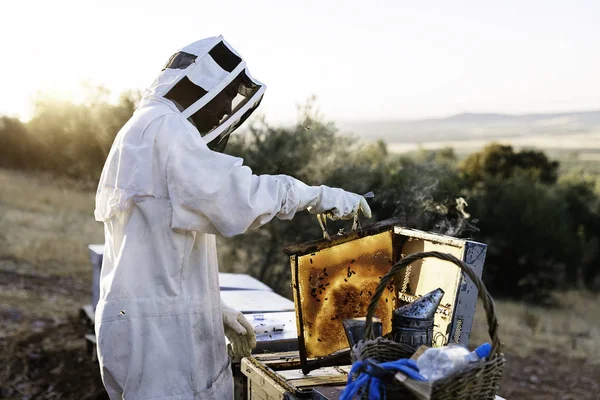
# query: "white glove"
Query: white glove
{"points": [[239, 332], [352, 204], [335, 202]]}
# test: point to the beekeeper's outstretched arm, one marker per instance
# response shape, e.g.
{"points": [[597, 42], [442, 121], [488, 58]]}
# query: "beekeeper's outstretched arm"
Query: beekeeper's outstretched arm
{"points": [[210, 188]]}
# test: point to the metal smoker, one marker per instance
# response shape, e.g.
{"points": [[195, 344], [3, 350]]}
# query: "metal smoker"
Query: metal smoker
{"points": [[412, 324], [355, 329]]}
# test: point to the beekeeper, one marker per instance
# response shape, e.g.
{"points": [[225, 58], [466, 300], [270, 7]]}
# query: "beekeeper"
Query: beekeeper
{"points": [[165, 191]]}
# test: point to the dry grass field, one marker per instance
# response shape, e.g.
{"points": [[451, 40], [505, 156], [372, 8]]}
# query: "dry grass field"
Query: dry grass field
{"points": [[45, 276], [45, 226]]}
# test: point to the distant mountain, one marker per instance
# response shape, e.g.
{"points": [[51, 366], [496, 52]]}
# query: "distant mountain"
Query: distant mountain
{"points": [[474, 126]]}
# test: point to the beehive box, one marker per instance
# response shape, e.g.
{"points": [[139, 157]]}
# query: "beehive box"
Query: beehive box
{"points": [[334, 279], [277, 376]]}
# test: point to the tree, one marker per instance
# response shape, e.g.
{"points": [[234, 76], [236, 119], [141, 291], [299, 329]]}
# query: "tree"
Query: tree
{"points": [[15, 143], [422, 194], [500, 161], [525, 228], [582, 206], [74, 139]]}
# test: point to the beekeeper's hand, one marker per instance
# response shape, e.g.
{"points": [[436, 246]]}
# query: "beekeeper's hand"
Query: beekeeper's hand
{"points": [[239, 332], [334, 202], [349, 206]]}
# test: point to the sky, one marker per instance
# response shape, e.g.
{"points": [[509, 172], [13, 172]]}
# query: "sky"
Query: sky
{"points": [[364, 60]]}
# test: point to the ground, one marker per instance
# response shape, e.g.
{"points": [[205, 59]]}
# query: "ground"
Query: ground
{"points": [[45, 277]]}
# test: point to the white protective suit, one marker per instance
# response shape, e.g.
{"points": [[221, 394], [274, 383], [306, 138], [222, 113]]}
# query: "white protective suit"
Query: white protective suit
{"points": [[163, 195]]}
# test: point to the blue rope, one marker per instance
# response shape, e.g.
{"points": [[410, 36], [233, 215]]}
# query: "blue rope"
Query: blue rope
{"points": [[367, 376]]}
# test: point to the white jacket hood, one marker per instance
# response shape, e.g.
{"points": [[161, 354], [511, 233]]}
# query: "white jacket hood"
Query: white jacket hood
{"points": [[197, 74]]}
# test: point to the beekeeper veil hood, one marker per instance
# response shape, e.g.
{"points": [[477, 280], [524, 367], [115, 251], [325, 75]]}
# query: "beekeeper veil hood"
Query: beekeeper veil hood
{"points": [[209, 83]]}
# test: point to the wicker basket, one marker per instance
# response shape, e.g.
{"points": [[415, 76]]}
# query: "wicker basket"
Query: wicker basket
{"points": [[479, 382]]}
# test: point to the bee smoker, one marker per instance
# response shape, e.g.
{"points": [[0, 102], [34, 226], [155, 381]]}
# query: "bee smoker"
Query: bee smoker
{"points": [[412, 323], [355, 327]]}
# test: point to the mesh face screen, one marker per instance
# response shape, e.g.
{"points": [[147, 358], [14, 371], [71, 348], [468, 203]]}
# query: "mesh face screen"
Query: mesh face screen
{"points": [[228, 107], [179, 60]]}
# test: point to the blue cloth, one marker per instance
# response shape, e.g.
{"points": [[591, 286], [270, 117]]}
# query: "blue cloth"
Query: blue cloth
{"points": [[369, 374]]}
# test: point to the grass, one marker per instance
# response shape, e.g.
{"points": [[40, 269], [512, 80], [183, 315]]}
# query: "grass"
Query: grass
{"points": [[572, 329], [25, 310], [45, 277], [46, 224]]}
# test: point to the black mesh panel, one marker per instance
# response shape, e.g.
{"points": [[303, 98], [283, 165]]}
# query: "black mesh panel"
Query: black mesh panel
{"points": [[225, 104], [185, 93], [180, 60], [219, 143], [224, 57]]}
